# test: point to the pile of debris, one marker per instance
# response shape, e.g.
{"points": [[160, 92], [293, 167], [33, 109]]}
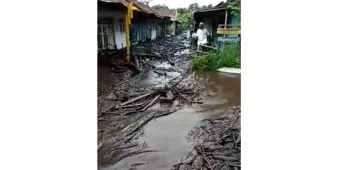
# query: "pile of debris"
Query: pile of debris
{"points": [[120, 121], [217, 144], [130, 105]]}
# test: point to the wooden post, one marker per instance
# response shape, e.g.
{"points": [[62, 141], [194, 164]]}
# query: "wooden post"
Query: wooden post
{"points": [[225, 22], [127, 37], [226, 18]]}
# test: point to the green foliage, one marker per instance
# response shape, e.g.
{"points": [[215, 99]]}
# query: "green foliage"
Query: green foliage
{"points": [[235, 9], [227, 57], [185, 18], [193, 7], [201, 62], [185, 15]]}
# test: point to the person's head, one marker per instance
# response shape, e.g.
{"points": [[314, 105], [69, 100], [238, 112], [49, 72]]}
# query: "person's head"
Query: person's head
{"points": [[201, 25]]}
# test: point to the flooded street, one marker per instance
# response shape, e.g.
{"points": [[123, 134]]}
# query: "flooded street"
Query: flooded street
{"points": [[168, 135], [147, 134]]}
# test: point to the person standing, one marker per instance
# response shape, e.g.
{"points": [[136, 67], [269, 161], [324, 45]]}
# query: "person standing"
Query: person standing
{"points": [[202, 36]]}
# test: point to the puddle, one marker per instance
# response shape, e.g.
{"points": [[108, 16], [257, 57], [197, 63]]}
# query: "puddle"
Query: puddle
{"points": [[105, 77], [160, 76], [168, 134]]}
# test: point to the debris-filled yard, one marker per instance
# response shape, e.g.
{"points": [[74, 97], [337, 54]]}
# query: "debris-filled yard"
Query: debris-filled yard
{"points": [[157, 97]]}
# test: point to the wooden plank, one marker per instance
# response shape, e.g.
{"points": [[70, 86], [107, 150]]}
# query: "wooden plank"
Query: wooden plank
{"points": [[209, 47], [135, 99], [234, 31]]}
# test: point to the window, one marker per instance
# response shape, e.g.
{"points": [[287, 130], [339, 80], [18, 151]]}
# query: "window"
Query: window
{"points": [[105, 35]]}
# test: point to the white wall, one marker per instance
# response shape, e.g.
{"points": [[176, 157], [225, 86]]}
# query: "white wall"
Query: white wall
{"points": [[119, 35], [153, 26], [153, 34], [116, 17], [173, 28]]}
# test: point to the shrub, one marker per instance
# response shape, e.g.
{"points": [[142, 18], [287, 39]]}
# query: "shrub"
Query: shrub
{"points": [[226, 57]]}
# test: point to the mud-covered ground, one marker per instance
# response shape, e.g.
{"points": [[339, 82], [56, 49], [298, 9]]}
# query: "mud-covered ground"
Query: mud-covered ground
{"points": [[164, 85], [217, 143]]}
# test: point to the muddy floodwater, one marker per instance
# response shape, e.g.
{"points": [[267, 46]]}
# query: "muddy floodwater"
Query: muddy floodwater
{"points": [[167, 135]]}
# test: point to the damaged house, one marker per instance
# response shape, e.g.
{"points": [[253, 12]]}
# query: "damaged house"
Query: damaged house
{"points": [[220, 22], [110, 33], [172, 25], [146, 24]]}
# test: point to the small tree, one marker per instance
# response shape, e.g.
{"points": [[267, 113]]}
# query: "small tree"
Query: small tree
{"points": [[193, 7]]}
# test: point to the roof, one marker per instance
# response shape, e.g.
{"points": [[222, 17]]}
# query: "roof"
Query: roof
{"points": [[145, 8], [220, 6], [172, 13], [123, 2], [142, 6]]}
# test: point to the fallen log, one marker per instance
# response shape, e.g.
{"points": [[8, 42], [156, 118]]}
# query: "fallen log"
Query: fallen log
{"points": [[181, 95], [136, 99], [151, 103], [128, 106], [128, 102]]}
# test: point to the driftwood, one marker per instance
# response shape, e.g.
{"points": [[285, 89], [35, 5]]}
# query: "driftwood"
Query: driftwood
{"points": [[125, 119], [151, 103], [128, 106], [181, 95], [137, 128], [196, 94], [136, 99], [205, 157], [218, 143]]}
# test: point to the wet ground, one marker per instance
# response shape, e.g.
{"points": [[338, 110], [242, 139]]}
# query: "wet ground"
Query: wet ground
{"points": [[167, 136]]}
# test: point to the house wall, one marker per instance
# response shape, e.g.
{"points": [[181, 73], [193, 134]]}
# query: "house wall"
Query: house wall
{"points": [[159, 28], [116, 24], [153, 26], [173, 28], [208, 24], [119, 30], [105, 35]]}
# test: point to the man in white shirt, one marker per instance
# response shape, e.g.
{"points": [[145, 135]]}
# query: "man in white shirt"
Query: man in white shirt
{"points": [[202, 36]]}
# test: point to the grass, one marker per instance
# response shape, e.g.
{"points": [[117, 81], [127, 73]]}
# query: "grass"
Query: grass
{"points": [[226, 57]]}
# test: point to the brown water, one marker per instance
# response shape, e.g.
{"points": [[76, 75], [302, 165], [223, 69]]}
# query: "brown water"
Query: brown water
{"points": [[105, 77], [167, 135]]}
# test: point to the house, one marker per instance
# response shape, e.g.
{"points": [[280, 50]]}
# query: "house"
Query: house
{"points": [[144, 24], [111, 34], [219, 20], [172, 25], [147, 24]]}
